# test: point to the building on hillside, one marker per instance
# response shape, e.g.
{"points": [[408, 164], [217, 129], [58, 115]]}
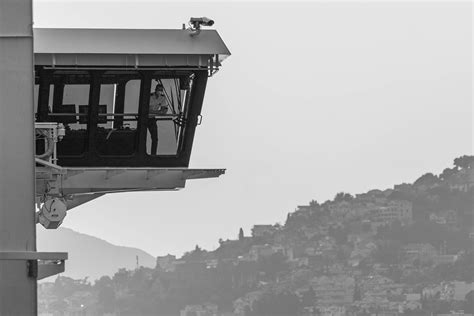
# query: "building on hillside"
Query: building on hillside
{"points": [[256, 252], [455, 290], [279, 248], [333, 310], [360, 210], [445, 259], [242, 303], [360, 238], [344, 210], [449, 217], [455, 313], [392, 211], [165, 262], [431, 291], [263, 230], [438, 219], [404, 206], [200, 310], [373, 281], [422, 252], [295, 251], [461, 289], [413, 297], [381, 291], [308, 209], [335, 290], [211, 263]]}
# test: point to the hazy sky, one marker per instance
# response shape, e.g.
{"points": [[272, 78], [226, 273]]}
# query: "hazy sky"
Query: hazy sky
{"points": [[317, 98]]}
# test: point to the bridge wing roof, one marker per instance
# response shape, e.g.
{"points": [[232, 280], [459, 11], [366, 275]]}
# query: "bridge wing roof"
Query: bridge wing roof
{"points": [[50, 43]]}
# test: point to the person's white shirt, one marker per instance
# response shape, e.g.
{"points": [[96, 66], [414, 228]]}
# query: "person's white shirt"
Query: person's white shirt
{"points": [[158, 104]]}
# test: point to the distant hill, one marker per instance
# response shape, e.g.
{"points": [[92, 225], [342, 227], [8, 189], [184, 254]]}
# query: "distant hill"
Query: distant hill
{"points": [[283, 269], [90, 256]]}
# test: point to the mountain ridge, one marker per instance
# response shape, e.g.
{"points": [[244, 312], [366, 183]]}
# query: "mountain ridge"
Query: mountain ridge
{"points": [[83, 249]]}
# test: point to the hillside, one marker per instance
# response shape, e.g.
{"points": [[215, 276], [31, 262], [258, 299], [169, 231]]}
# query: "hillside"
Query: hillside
{"points": [[90, 256], [406, 250]]}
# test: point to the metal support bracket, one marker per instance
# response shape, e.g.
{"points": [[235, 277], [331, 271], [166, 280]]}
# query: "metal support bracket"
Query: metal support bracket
{"points": [[40, 269], [40, 264]]}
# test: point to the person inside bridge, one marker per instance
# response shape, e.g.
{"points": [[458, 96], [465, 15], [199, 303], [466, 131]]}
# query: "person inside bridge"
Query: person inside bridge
{"points": [[158, 106]]}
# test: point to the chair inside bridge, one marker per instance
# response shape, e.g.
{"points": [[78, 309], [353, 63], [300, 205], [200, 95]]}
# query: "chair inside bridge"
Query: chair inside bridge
{"points": [[100, 84]]}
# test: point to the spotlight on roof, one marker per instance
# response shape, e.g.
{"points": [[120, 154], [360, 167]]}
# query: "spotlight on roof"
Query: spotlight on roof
{"points": [[196, 23]]}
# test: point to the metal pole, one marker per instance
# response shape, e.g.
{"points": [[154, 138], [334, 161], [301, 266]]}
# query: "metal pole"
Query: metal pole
{"points": [[17, 218]]}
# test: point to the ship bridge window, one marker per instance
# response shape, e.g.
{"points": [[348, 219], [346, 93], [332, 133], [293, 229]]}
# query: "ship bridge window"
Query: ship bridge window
{"points": [[72, 109], [118, 118], [167, 105], [49, 101], [64, 99]]}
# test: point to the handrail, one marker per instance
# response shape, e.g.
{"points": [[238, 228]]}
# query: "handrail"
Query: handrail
{"points": [[48, 164], [112, 114]]}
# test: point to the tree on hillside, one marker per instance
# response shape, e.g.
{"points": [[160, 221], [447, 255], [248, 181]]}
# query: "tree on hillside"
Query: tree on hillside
{"points": [[196, 255], [427, 179], [339, 233], [105, 295], [271, 304], [469, 302], [241, 234], [326, 204], [65, 286], [357, 293], [426, 232], [122, 278], [248, 311], [388, 252], [272, 265], [58, 306], [313, 203], [447, 173], [342, 196], [464, 162], [460, 270], [399, 195]]}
